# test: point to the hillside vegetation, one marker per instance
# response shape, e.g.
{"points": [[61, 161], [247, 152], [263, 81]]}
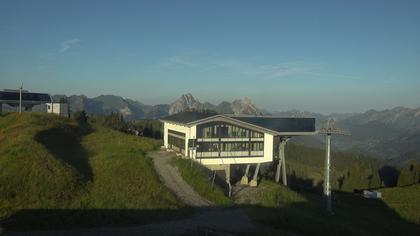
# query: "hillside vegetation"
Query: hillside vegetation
{"points": [[405, 201], [52, 166], [349, 172], [200, 179], [303, 213]]}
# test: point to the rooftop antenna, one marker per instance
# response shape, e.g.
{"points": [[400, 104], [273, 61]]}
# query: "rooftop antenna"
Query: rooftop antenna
{"points": [[20, 97], [328, 129]]}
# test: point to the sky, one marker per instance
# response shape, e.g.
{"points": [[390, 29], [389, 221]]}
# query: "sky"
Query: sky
{"points": [[320, 56]]}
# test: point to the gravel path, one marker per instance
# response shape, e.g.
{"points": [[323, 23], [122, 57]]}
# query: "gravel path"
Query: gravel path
{"points": [[174, 181], [208, 220]]}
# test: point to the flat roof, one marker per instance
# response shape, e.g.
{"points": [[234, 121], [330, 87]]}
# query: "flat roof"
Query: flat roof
{"points": [[281, 124], [277, 125], [188, 117], [13, 96]]}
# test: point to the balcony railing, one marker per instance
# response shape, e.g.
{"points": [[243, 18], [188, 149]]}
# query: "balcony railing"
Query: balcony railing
{"points": [[230, 139], [231, 154]]}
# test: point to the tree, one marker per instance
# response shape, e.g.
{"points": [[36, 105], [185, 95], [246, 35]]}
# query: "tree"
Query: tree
{"points": [[406, 178], [81, 117], [375, 181], [115, 121]]}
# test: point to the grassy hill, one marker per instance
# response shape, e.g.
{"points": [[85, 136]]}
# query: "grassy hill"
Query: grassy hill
{"points": [[55, 172], [405, 201], [304, 214], [305, 167]]}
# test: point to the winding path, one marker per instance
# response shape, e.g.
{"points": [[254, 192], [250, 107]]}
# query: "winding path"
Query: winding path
{"points": [[208, 220], [174, 181]]}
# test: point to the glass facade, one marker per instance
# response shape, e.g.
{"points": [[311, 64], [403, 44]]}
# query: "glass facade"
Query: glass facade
{"points": [[217, 139], [176, 140], [223, 130]]}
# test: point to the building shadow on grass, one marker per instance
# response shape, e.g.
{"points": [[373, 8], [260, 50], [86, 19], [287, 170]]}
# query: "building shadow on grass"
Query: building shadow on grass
{"points": [[62, 219], [353, 215], [63, 142]]}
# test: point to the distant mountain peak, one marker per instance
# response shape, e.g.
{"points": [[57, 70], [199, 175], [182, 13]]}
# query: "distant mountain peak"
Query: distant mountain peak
{"points": [[245, 106], [186, 101], [238, 106], [188, 98]]}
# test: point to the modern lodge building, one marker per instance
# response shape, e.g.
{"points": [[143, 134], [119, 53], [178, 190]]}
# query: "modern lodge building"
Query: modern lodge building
{"points": [[218, 141]]}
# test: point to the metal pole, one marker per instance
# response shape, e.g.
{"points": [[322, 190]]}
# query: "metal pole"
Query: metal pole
{"points": [[277, 178], [327, 187], [283, 160], [214, 176], [20, 99]]}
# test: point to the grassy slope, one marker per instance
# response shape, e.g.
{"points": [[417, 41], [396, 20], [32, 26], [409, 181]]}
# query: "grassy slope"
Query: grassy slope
{"points": [[404, 200], [197, 178], [47, 162], [355, 172], [304, 214], [124, 177], [30, 176]]}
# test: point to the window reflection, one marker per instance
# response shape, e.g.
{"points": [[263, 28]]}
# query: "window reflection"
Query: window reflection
{"points": [[220, 130]]}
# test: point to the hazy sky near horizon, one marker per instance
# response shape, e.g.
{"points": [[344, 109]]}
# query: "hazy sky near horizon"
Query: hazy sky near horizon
{"points": [[321, 56]]}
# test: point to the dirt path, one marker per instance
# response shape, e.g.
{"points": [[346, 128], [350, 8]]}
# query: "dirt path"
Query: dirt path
{"points": [[208, 220], [174, 181]]}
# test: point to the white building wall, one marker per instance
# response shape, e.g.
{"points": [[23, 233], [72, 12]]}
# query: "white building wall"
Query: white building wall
{"points": [[191, 133], [60, 109], [165, 135], [179, 128]]}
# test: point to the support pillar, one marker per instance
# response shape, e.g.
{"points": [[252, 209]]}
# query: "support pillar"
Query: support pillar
{"points": [[254, 181], [281, 166], [244, 180], [227, 172]]}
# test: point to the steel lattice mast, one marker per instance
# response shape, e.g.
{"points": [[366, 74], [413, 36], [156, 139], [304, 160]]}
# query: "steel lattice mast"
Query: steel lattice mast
{"points": [[328, 129]]}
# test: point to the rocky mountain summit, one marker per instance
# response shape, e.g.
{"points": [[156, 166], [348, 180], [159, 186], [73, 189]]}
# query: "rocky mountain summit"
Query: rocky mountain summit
{"points": [[131, 110], [186, 101], [239, 106]]}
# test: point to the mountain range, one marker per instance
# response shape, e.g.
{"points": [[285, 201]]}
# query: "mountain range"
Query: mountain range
{"points": [[392, 134], [132, 110]]}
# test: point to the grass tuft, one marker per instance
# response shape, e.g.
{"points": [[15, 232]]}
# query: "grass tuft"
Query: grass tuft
{"points": [[196, 176]]}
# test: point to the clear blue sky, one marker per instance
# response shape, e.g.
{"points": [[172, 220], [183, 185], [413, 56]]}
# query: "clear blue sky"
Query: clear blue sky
{"points": [[322, 56]]}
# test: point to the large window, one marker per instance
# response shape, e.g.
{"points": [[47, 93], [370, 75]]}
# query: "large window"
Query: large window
{"points": [[208, 147], [176, 140], [209, 131], [257, 146], [176, 133], [223, 130], [242, 146], [176, 143], [223, 140], [235, 146]]}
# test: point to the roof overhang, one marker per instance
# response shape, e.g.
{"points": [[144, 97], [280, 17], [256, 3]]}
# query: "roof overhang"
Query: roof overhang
{"points": [[231, 120]]}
